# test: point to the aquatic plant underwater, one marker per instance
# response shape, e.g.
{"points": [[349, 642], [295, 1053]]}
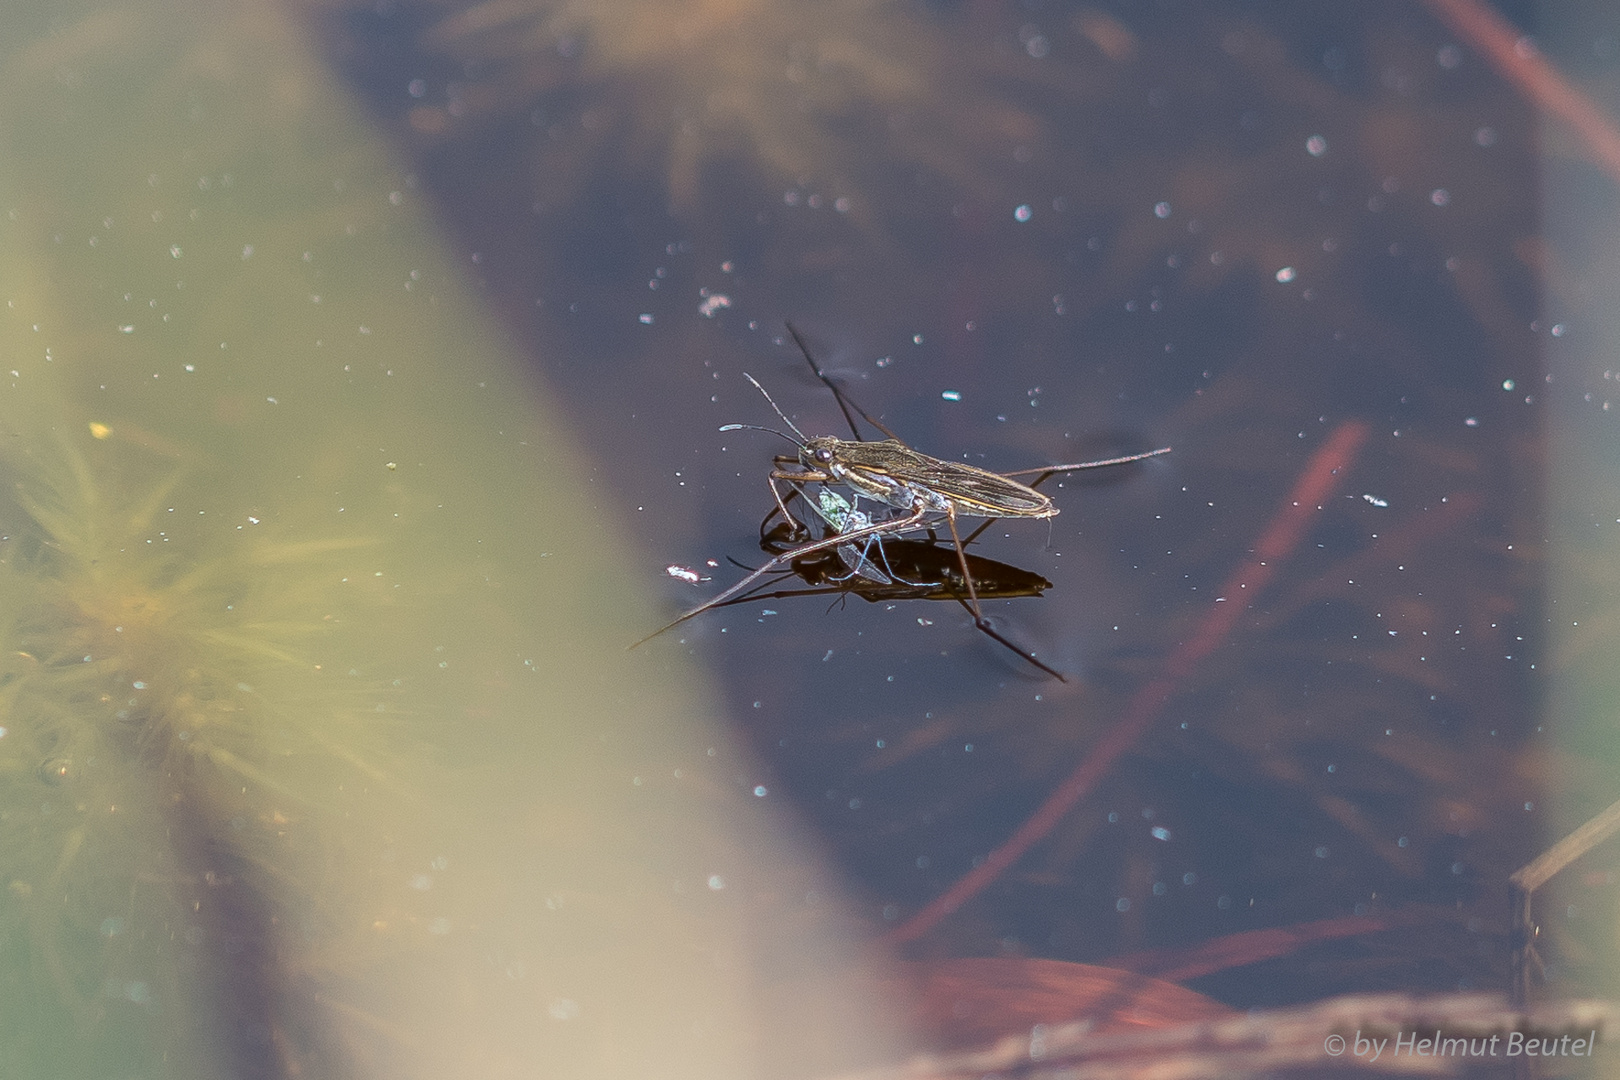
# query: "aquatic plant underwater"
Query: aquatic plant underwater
{"points": [[171, 732]]}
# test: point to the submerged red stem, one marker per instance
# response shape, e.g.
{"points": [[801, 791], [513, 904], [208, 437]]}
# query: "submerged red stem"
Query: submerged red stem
{"points": [[1516, 59], [1322, 474]]}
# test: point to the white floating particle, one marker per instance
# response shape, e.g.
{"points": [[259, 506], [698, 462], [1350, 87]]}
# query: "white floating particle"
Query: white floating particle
{"points": [[691, 577], [712, 304], [1286, 274], [1161, 209], [646, 318], [1375, 500], [1023, 213], [951, 395], [1316, 146]]}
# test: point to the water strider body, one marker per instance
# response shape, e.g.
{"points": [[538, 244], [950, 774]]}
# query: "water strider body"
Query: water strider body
{"points": [[924, 489], [889, 471]]}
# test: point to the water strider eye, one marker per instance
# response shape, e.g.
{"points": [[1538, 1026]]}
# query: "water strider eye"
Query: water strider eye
{"points": [[824, 455]]}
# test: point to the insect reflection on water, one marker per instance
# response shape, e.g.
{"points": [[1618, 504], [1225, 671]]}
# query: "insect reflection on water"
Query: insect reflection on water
{"points": [[915, 570], [922, 489]]}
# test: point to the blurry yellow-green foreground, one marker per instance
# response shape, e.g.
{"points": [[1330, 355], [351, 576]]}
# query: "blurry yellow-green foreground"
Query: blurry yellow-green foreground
{"points": [[321, 754]]}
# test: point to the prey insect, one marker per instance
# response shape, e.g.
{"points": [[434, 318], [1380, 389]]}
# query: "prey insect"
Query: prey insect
{"points": [[844, 517], [922, 489]]}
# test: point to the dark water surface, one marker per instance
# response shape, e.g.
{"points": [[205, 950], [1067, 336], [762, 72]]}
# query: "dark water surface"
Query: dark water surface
{"points": [[1040, 232]]}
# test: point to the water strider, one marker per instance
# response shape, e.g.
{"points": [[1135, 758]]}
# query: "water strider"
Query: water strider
{"points": [[924, 489]]}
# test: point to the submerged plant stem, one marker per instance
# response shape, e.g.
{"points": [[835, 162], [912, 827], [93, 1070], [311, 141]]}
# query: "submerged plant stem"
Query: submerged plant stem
{"points": [[1321, 475]]}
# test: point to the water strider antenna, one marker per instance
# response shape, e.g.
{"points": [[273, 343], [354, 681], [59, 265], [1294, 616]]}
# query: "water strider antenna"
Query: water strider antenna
{"points": [[756, 427], [791, 425]]}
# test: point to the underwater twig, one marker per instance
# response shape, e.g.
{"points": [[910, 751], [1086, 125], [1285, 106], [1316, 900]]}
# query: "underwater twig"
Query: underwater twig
{"points": [[1315, 484], [1536, 873], [1264, 1042]]}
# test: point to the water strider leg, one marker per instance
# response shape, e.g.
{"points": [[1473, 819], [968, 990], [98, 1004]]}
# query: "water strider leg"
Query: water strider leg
{"points": [[972, 603], [795, 478]]}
